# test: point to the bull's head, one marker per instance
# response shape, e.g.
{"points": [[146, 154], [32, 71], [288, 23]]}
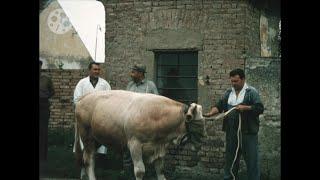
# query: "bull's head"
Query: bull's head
{"points": [[194, 125], [194, 112]]}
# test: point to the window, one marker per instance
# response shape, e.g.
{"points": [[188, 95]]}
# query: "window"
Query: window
{"points": [[177, 75]]}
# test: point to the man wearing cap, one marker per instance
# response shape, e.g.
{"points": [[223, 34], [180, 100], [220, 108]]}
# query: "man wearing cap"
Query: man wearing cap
{"points": [[46, 91], [140, 85]]}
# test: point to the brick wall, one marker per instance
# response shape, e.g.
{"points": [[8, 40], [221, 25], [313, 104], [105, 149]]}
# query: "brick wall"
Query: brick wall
{"points": [[221, 24], [64, 82], [252, 32]]}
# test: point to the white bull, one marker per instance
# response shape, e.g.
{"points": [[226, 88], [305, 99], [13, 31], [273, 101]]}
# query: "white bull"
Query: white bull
{"points": [[147, 123]]}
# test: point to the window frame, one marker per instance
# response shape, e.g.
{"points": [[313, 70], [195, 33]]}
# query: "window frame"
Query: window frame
{"points": [[179, 53]]}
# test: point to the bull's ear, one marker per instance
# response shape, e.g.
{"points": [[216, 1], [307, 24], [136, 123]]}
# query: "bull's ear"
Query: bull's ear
{"points": [[191, 111]]}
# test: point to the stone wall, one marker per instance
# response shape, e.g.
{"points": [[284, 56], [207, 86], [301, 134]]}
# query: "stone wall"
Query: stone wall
{"points": [[264, 74]]}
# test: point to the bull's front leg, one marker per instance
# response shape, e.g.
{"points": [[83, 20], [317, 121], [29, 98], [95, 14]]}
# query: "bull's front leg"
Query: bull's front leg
{"points": [[135, 148], [158, 165]]}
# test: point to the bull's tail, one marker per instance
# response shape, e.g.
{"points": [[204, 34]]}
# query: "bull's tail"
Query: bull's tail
{"points": [[77, 149]]}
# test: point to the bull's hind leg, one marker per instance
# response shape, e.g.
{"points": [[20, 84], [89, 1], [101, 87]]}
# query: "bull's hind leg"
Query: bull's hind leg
{"points": [[88, 153], [135, 148], [89, 163], [158, 165]]}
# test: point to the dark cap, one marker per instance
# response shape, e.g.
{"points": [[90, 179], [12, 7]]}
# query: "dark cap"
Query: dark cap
{"points": [[139, 68]]}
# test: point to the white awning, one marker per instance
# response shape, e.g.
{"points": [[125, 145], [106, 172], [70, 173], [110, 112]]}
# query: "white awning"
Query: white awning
{"points": [[88, 19]]}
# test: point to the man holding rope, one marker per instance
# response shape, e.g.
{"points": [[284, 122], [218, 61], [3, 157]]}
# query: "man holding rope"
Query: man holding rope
{"points": [[241, 126]]}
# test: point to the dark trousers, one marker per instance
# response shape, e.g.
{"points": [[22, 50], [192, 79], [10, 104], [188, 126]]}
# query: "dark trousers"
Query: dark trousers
{"points": [[44, 115], [128, 163], [248, 148]]}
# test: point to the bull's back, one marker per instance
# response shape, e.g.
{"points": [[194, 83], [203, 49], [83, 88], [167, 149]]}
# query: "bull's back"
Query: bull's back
{"points": [[148, 117]]}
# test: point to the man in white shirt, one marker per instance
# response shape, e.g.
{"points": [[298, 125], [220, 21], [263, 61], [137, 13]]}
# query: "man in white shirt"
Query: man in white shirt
{"points": [[89, 84], [86, 85]]}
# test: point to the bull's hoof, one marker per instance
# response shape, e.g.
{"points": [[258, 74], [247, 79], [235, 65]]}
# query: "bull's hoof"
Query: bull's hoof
{"points": [[139, 175]]}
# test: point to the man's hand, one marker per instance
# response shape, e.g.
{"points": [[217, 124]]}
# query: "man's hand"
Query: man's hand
{"points": [[212, 112], [242, 108]]}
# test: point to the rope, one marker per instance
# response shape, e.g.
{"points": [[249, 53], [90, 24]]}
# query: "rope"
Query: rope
{"points": [[222, 116], [238, 145]]}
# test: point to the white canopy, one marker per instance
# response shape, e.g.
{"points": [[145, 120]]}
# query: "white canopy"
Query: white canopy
{"points": [[88, 19]]}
